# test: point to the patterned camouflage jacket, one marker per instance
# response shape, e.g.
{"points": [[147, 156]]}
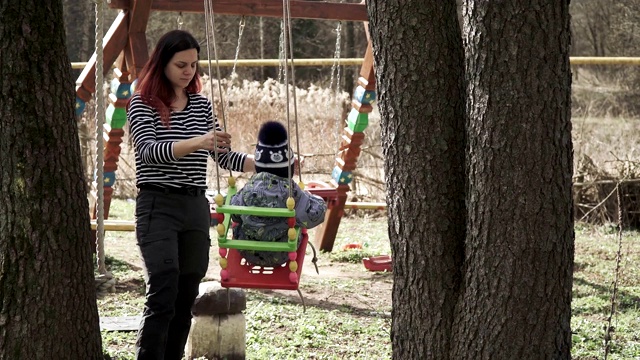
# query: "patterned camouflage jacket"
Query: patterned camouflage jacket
{"points": [[267, 190]]}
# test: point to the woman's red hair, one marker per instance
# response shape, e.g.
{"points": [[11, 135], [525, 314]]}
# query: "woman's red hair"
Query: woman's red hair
{"points": [[153, 86]]}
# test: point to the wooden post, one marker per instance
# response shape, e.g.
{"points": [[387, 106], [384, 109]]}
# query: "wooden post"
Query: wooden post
{"points": [[114, 41], [346, 162], [264, 8]]}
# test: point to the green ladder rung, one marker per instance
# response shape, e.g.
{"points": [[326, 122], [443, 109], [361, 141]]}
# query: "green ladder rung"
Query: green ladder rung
{"points": [[240, 244], [289, 246], [254, 210]]}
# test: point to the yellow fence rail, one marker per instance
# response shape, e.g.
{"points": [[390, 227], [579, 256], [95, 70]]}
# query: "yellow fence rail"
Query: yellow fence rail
{"points": [[576, 60], [129, 225]]}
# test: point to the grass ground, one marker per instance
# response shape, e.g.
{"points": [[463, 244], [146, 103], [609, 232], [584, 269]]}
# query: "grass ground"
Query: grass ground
{"points": [[348, 308]]}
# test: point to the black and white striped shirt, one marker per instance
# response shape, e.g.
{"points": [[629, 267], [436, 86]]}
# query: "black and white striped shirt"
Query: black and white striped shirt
{"points": [[155, 162]]}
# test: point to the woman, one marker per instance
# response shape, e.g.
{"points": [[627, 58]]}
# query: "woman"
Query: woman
{"points": [[174, 132]]}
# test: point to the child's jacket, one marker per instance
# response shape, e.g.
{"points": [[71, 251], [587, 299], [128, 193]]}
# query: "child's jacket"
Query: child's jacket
{"points": [[267, 190]]}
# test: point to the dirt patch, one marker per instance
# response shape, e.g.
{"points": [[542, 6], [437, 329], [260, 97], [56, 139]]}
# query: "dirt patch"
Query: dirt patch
{"points": [[341, 285], [336, 285]]}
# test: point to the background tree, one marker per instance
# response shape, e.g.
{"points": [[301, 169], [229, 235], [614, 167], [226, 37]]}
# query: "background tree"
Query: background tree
{"points": [[419, 67], [80, 29], [504, 291], [47, 294]]}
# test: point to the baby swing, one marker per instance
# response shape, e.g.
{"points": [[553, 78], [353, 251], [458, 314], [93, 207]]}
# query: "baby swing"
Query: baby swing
{"points": [[236, 271]]}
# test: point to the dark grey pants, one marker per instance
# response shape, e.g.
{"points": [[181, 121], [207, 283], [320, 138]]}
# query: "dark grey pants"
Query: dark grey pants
{"points": [[173, 237]]}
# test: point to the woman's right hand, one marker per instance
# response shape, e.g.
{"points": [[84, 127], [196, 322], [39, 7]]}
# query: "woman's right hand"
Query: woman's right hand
{"points": [[208, 141], [213, 139]]}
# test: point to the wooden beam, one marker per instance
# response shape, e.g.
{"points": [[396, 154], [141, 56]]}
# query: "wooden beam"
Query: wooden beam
{"points": [[138, 20], [327, 231], [115, 225], [326, 234], [114, 41], [139, 16], [268, 8], [367, 75]]}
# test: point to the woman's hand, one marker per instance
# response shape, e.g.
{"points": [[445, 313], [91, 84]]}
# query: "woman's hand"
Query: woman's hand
{"points": [[210, 140]]}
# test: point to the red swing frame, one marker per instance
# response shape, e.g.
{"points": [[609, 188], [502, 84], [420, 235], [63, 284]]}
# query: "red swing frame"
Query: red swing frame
{"points": [[238, 273], [244, 275]]}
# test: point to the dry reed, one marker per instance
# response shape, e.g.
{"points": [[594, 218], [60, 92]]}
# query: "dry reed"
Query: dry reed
{"points": [[605, 147], [321, 116]]}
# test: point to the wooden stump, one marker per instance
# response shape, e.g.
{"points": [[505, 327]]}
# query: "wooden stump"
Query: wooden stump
{"points": [[218, 325]]}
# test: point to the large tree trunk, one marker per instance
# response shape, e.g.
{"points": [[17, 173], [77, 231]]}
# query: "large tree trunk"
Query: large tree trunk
{"points": [[516, 300], [419, 72], [47, 295]]}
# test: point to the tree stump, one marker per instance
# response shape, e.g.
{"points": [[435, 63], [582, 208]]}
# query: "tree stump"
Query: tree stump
{"points": [[218, 325]]}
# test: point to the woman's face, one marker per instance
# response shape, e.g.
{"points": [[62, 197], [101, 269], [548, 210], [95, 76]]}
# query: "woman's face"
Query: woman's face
{"points": [[181, 68]]}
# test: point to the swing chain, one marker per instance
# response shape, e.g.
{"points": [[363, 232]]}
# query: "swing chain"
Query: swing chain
{"points": [[234, 75], [180, 20], [336, 70], [281, 52], [335, 67], [235, 59]]}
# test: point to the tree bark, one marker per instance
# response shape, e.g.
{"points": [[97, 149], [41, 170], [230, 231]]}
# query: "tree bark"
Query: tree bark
{"points": [[516, 300], [47, 294], [419, 74]]}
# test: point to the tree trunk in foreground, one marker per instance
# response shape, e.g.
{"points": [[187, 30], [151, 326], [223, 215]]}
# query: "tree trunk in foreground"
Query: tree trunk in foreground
{"points": [[419, 76], [503, 292], [516, 300], [47, 294]]}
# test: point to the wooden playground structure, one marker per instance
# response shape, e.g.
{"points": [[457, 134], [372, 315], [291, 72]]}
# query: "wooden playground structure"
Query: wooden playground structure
{"points": [[125, 53]]}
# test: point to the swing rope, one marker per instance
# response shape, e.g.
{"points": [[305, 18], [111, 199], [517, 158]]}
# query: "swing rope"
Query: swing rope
{"points": [[286, 30], [208, 24], [285, 36], [212, 20], [234, 273], [287, 39], [104, 281], [287, 15]]}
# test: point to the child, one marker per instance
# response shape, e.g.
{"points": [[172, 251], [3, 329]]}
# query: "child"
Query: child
{"points": [[269, 187]]}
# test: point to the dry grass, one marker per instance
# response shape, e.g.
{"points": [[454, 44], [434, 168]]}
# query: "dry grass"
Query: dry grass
{"points": [[605, 156], [605, 146], [321, 116]]}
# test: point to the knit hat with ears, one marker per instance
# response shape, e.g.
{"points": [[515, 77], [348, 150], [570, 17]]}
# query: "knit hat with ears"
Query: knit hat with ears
{"points": [[273, 153]]}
